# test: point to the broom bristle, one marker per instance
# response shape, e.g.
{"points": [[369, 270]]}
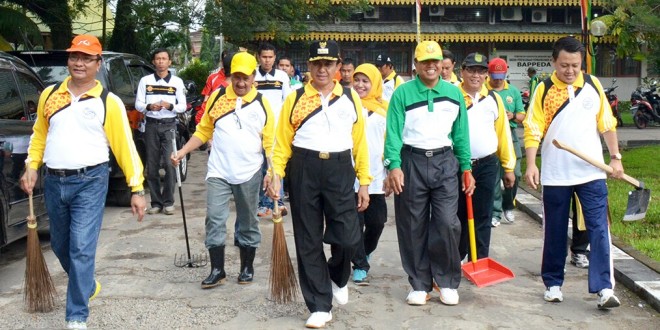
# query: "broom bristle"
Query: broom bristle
{"points": [[39, 290], [283, 281]]}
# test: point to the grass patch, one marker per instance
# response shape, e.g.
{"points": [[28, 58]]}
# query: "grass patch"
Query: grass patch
{"points": [[643, 235]]}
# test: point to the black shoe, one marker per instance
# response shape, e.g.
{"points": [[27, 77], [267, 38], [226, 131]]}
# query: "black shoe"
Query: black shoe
{"points": [[217, 276], [247, 270]]}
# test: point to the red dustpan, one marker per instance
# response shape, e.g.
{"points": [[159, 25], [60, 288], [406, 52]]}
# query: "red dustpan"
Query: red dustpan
{"points": [[485, 271]]}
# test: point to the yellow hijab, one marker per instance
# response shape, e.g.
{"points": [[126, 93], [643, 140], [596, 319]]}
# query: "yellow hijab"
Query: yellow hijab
{"points": [[374, 100]]}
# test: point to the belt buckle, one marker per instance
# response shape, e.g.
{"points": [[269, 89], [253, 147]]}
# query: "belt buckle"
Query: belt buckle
{"points": [[429, 153], [324, 155], [60, 172]]}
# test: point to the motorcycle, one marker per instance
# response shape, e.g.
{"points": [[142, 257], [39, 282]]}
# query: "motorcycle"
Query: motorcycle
{"points": [[645, 103], [525, 98], [614, 102]]}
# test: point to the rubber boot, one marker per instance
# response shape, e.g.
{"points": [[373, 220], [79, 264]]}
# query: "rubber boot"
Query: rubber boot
{"points": [[217, 275], [247, 270]]}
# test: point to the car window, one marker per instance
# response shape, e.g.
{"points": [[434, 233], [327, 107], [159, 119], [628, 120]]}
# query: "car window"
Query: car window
{"points": [[11, 106], [120, 78], [52, 68], [31, 90]]}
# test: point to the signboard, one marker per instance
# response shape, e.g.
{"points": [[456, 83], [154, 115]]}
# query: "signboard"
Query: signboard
{"points": [[519, 61]]}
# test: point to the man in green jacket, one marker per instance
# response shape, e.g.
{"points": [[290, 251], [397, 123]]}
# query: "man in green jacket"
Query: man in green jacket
{"points": [[427, 143]]}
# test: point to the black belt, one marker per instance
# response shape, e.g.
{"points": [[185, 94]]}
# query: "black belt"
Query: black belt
{"points": [[79, 171], [321, 154], [426, 152], [476, 162], [160, 121]]}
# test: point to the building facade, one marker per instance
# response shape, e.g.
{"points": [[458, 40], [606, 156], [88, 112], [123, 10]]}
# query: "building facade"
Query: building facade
{"points": [[521, 31]]}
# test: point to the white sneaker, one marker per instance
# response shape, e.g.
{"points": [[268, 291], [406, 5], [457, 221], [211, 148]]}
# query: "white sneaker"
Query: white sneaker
{"points": [[509, 217], [495, 222], [607, 299], [76, 325], [318, 320], [340, 294], [553, 294], [169, 210], [449, 296], [417, 298]]}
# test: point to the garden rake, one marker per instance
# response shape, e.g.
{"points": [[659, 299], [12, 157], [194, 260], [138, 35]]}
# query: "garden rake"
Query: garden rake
{"points": [[180, 260]]}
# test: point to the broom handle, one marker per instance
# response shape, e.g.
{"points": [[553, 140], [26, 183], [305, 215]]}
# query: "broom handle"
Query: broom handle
{"points": [[276, 209], [31, 216]]}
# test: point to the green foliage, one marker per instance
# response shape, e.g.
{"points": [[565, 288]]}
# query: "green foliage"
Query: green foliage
{"points": [[197, 71], [15, 26], [643, 235], [240, 19], [636, 26]]}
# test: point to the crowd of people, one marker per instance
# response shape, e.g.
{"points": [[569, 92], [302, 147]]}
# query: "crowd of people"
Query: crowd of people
{"points": [[337, 146]]}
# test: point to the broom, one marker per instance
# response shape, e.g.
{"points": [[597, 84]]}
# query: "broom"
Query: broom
{"points": [[38, 289], [283, 282]]}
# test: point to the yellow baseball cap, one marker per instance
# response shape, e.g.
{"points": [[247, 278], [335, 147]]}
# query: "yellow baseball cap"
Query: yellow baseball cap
{"points": [[428, 50], [244, 63]]}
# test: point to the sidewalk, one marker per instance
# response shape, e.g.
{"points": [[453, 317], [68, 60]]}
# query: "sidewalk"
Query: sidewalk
{"points": [[632, 273]]}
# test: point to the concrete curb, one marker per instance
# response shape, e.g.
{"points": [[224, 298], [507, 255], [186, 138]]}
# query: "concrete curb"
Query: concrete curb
{"points": [[633, 274]]}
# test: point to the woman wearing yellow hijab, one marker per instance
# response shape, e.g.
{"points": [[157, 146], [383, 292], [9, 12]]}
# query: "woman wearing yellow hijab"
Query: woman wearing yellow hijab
{"points": [[368, 83]]}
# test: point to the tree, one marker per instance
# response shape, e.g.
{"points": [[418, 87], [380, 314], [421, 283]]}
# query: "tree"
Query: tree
{"points": [[239, 20], [17, 28], [141, 26], [636, 26]]}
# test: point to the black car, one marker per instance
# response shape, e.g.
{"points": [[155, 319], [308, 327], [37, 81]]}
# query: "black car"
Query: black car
{"points": [[120, 73], [20, 88]]}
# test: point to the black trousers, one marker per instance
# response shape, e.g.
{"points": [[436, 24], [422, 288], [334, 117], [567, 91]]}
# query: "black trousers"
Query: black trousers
{"points": [[372, 223], [580, 238], [427, 227], [485, 176], [158, 141], [321, 195]]}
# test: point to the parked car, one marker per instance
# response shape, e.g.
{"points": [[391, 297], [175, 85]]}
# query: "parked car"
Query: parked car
{"points": [[20, 88], [120, 73]]}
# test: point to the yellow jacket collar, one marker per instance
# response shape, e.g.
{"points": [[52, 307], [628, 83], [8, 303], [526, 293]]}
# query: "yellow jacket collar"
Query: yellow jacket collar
{"points": [[578, 83], [94, 91], [229, 92], [390, 76], [337, 90], [482, 92]]}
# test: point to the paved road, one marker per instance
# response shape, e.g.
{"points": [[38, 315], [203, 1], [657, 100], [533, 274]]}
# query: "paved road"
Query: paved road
{"points": [[142, 289]]}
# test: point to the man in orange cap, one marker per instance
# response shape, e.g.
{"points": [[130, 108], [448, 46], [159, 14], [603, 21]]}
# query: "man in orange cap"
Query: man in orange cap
{"points": [[78, 122]]}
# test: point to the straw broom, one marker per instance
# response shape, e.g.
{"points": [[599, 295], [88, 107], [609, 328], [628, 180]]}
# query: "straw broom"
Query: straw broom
{"points": [[283, 281], [38, 291]]}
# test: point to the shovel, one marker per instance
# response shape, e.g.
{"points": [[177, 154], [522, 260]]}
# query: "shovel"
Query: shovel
{"points": [[638, 199], [194, 260], [485, 271]]}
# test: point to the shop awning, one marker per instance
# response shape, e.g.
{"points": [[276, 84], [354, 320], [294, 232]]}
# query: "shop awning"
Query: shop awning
{"points": [[526, 3], [405, 32]]}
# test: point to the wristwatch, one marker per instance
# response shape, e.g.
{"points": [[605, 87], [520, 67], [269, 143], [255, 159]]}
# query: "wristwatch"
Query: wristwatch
{"points": [[616, 156], [139, 192]]}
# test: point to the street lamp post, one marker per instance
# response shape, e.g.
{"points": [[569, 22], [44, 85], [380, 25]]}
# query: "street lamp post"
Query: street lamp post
{"points": [[597, 29]]}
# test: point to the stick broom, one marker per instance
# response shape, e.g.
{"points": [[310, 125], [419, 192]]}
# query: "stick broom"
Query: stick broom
{"points": [[39, 290]]}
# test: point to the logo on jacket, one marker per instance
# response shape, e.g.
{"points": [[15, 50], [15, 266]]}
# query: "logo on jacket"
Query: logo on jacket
{"points": [[588, 103]]}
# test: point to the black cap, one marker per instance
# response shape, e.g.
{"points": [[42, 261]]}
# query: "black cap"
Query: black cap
{"points": [[383, 59], [324, 50], [475, 59]]}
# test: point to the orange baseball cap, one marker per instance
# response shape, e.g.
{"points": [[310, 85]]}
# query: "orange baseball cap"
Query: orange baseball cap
{"points": [[87, 44]]}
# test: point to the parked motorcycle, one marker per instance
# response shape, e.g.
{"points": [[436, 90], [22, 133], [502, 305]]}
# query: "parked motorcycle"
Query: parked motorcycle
{"points": [[614, 102], [525, 98], [645, 105]]}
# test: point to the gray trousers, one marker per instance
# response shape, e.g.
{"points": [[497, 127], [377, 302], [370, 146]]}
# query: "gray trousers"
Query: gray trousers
{"points": [[246, 197], [428, 229]]}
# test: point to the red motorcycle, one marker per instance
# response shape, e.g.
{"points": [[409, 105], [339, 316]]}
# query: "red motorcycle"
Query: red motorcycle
{"points": [[645, 106], [614, 103]]}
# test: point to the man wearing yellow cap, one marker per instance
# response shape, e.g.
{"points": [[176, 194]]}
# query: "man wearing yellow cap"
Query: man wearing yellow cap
{"points": [[78, 122], [320, 135], [426, 144], [241, 120]]}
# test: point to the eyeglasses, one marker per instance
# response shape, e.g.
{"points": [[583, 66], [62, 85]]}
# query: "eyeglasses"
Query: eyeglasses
{"points": [[476, 69], [84, 59], [238, 120]]}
